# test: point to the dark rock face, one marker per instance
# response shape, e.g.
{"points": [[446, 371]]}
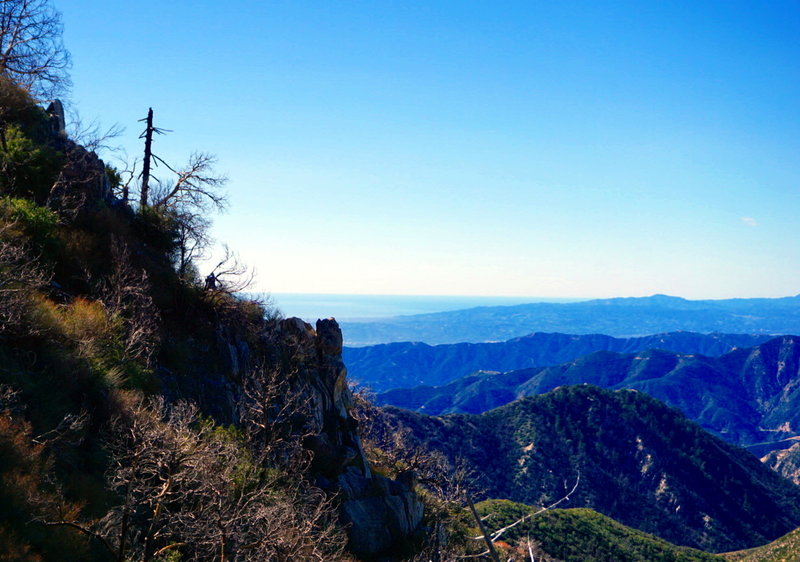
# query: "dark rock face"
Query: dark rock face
{"points": [[83, 181], [378, 512]]}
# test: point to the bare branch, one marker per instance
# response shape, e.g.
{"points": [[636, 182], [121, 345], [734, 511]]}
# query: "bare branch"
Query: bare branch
{"points": [[82, 529], [484, 533], [93, 136], [32, 53], [496, 534], [230, 275], [20, 276], [128, 296], [197, 186]]}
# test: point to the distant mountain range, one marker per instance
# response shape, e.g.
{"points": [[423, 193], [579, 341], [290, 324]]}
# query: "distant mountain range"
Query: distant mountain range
{"points": [[621, 317], [404, 364], [749, 396], [640, 462]]}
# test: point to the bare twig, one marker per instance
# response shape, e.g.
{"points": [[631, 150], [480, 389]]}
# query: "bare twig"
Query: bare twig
{"points": [[496, 534], [31, 50]]}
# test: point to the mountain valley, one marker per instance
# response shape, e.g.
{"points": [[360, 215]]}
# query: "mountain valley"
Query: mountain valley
{"points": [[748, 396], [635, 460]]}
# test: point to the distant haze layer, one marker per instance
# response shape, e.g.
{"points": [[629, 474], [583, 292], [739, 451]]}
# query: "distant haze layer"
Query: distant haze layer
{"points": [[311, 306], [619, 317]]}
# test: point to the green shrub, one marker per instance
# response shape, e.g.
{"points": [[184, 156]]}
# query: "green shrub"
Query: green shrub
{"points": [[29, 168], [114, 177], [37, 226]]}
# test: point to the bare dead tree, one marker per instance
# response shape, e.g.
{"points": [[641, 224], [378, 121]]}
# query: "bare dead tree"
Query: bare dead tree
{"points": [[149, 159], [268, 411], [126, 183], [196, 185], [193, 241], [151, 453], [127, 174], [495, 535], [32, 53], [484, 533], [277, 416], [189, 195], [69, 429], [489, 538]]}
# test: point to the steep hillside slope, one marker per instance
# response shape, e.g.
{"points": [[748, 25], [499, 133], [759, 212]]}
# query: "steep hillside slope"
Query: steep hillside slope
{"points": [[620, 317], [403, 365], [639, 462], [144, 412], [747, 396]]}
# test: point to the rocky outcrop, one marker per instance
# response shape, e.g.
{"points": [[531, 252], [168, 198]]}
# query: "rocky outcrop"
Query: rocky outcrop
{"points": [[379, 513], [83, 181]]}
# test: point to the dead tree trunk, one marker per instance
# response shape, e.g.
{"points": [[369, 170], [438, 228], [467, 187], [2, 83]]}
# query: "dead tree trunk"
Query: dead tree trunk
{"points": [[487, 539], [148, 141]]}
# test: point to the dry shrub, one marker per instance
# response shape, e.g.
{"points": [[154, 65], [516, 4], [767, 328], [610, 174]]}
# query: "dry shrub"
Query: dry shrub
{"points": [[28, 493], [127, 293], [84, 329], [85, 322], [20, 277], [188, 486]]}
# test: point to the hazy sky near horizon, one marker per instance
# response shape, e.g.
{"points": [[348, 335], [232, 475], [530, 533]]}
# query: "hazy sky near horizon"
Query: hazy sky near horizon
{"points": [[530, 148]]}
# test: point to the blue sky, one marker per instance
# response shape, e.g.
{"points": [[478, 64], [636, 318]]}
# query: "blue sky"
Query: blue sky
{"points": [[559, 149]]}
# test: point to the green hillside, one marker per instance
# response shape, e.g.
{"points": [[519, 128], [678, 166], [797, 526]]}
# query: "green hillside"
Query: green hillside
{"points": [[640, 462], [581, 535], [784, 549]]}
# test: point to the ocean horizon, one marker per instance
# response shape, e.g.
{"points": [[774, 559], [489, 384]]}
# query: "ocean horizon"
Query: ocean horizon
{"points": [[344, 307]]}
